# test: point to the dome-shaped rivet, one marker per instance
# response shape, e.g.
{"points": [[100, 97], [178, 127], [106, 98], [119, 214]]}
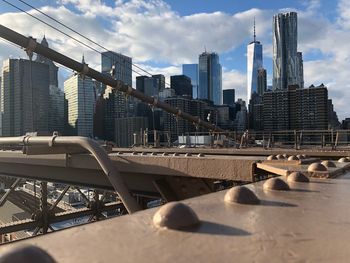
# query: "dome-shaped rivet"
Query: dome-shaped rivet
{"points": [[271, 157], [297, 177], [280, 157], [28, 254], [285, 156], [343, 160], [241, 195], [200, 155], [175, 215], [188, 154], [300, 156], [328, 164], [176, 154], [316, 167], [165, 154], [293, 158], [275, 184]]}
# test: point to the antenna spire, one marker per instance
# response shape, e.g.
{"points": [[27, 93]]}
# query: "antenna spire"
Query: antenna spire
{"points": [[254, 31]]}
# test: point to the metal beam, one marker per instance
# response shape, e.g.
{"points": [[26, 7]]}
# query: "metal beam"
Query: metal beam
{"points": [[13, 186]]}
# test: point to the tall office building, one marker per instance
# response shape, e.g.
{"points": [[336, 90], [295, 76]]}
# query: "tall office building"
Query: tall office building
{"points": [[191, 71], [53, 69], [24, 97], [56, 96], [254, 63], [80, 96], [116, 104], [287, 65], [210, 78], [57, 119], [229, 96], [296, 109], [300, 68], [182, 85], [262, 81]]}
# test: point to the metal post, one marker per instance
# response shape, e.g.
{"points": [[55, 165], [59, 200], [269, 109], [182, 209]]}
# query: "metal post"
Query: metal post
{"points": [[44, 208]]}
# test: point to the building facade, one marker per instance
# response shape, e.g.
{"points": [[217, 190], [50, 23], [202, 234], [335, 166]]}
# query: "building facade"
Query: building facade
{"points": [[229, 96], [296, 109], [116, 104], [81, 100], [262, 81], [191, 71], [25, 97], [210, 78], [178, 126], [287, 64], [182, 85]]}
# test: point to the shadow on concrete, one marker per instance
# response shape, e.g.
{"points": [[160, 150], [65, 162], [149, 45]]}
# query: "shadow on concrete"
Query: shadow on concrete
{"points": [[303, 190], [276, 203], [211, 228]]}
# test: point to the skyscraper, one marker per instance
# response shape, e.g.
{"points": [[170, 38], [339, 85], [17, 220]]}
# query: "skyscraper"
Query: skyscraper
{"points": [[254, 63], [262, 81], [80, 96], [116, 105], [191, 71], [182, 85], [287, 65], [24, 97], [210, 78], [56, 96], [229, 96]]}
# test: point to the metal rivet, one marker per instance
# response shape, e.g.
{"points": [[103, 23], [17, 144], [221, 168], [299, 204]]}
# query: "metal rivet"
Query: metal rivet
{"points": [[293, 158], [134, 153], [328, 164], [280, 157], [343, 160], [165, 154], [188, 154], [200, 155], [175, 215], [144, 153], [27, 253], [316, 167], [176, 154], [300, 156], [154, 154], [285, 156], [276, 184], [271, 157], [297, 177], [241, 195]]}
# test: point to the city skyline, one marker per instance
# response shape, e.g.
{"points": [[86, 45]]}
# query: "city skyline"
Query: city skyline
{"points": [[322, 57]]}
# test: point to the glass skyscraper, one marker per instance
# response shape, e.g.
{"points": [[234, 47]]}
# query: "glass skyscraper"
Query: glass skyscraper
{"points": [[191, 71], [287, 64], [254, 63], [81, 100], [210, 78]]}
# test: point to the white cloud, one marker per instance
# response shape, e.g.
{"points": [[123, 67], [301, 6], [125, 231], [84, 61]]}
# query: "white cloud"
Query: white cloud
{"points": [[234, 79]]}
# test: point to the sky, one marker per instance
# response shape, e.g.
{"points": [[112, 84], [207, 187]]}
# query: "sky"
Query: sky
{"points": [[161, 35]]}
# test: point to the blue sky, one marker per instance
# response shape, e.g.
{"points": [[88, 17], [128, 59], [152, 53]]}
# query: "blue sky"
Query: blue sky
{"points": [[162, 35]]}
